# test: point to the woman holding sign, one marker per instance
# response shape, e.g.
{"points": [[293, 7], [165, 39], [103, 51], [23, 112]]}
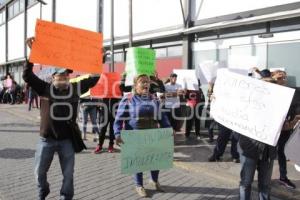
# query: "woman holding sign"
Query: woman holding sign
{"points": [[140, 111]]}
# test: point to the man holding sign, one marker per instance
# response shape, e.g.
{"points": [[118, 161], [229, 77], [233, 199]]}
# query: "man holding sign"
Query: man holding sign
{"points": [[139, 111], [59, 102]]}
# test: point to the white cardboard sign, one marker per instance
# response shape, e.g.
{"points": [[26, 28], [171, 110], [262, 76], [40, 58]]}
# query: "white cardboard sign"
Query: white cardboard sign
{"points": [[251, 107], [187, 78]]}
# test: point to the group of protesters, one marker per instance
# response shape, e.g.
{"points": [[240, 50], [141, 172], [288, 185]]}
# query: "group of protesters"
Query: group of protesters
{"points": [[136, 110], [10, 91]]}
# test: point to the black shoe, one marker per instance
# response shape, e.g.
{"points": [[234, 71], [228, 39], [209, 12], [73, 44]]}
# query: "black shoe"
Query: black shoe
{"points": [[211, 140], [213, 159], [236, 160], [287, 183]]}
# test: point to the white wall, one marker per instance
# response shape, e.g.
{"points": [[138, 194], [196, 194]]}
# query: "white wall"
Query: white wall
{"points": [[204, 9], [148, 15], [2, 43], [16, 37], [77, 13]]}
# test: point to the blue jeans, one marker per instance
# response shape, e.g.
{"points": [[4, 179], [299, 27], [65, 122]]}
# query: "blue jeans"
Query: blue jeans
{"points": [[46, 148], [248, 167], [138, 178], [92, 112]]}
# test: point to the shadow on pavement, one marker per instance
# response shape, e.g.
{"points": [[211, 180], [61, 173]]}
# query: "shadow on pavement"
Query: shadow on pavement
{"points": [[11, 153], [193, 150]]}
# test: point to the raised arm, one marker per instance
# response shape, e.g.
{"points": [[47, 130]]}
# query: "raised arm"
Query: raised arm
{"points": [[86, 84], [29, 77]]}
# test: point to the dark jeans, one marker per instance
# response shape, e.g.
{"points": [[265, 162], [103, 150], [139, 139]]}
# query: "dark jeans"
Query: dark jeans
{"points": [[92, 112], [43, 159], [248, 167], [138, 178], [175, 123], [106, 118], [103, 129], [32, 98], [211, 127], [284, 137], [196, 113], [224, 136]]}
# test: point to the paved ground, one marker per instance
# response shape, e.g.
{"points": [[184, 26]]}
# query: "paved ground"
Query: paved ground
{"points": [[98, 176]]}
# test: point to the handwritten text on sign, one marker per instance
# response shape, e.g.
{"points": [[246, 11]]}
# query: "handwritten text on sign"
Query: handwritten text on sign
{"points": [[68, 47], [145, 150], [251, 107], [139, 61]]}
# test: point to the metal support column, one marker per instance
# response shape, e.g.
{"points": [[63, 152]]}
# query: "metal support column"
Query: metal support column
{"points": [[187, 39], [99, 16], [130, 24], [25, 27], [53, 10], [112, 39], [6, 37]]}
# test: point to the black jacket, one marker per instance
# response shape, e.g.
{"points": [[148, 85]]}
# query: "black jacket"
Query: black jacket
{"points": [[57, 107], [257, 150]]}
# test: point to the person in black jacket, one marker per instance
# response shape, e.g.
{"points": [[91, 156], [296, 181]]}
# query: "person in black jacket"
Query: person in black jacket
{"points": [[286, 132], [59, 103]]}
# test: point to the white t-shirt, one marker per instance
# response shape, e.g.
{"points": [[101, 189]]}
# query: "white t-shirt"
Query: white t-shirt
{"points": [[172, 102]]}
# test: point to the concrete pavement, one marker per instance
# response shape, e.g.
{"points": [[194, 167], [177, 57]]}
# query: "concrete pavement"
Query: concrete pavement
{"points": [[98, 176]]}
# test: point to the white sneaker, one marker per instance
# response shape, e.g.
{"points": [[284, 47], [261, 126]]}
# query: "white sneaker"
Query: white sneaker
{"points": [[156, 186], [141, 191]]}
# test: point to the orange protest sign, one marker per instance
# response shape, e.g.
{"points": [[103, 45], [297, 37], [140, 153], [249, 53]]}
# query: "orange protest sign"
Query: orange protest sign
{"points": [[68, 47], [108, 86]]}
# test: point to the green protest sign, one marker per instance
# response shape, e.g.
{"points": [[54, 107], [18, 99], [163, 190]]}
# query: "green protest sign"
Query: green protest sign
{"points": [[139, 61], [147, 149]]}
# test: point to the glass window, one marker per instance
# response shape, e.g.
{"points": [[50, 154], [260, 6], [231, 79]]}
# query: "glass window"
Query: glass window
{"points": [[22, 5], [1, 17], [16, 8], [31, 2], [174, 51], [118, 57], [161, 52], [286, 55], [10, 11]]}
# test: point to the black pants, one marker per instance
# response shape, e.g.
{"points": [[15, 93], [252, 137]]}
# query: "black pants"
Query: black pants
{"points": [[194, 115], [106, 119], [225, 135], [284, 137], [172, 115]]}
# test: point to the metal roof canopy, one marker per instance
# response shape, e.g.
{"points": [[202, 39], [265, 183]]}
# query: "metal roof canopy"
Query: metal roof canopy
{"points": [[246, 21], [248, 14], [236, 28]]}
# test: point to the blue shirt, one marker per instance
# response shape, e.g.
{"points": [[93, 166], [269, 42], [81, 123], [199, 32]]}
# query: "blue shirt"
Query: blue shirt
{"points": [[133, 107]]}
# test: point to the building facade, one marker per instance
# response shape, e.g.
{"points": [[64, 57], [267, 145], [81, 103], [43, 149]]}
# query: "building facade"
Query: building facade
{"points": [[184, 33]]}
